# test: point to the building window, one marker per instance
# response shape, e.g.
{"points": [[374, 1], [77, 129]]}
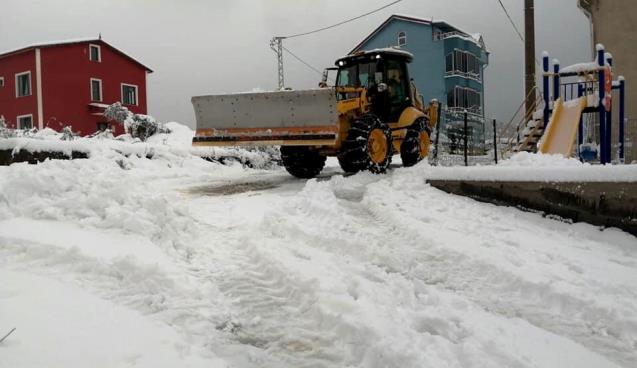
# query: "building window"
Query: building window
{"points": [[96, 89], [465, 63], [1, 81], [95, 53], [23, 84], [465, 98], [129, 94], [102, 126], [25, 121], [402, 38], [449, 63]]}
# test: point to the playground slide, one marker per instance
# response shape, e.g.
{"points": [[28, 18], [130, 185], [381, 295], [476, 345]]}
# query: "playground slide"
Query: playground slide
{"points": [[562, 129]]}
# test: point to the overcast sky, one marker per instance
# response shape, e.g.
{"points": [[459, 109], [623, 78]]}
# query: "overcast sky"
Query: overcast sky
{"points": [[211, 46]]}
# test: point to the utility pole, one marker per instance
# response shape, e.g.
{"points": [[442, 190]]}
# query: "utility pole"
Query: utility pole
{"points": [[276, 44], [529, 55]]}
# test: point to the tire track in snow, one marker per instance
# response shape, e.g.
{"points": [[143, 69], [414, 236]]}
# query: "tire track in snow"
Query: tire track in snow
{"points": [[273, 312], [602, 329]]}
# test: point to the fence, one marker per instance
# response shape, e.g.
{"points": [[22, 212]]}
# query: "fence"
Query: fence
{"points": [[463, 138]]}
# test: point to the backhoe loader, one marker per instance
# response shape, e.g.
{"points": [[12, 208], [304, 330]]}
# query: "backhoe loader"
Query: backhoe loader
{"points": [[373, 112]]}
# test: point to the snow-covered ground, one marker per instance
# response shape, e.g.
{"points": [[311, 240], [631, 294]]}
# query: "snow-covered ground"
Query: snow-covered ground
{"points": [[123, 261]]}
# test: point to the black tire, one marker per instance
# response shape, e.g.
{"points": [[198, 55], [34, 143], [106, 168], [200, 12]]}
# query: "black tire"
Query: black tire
{"points": [[411, 151], [355, 153], [302, 162]]}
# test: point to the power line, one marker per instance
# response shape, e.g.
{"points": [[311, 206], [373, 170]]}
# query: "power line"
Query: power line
{"points": [[302, 61], [515, 27], [511, 20], [345, 21]]}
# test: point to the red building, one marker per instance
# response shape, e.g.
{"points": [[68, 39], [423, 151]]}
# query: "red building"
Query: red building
{"points": [[69, 83]]}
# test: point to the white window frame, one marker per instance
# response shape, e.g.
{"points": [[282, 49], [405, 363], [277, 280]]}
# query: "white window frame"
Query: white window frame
{"points": [[402, 35], [1, 81], [17, 120], [17, 87], [136, 93], [99, 52], [91, 89]]}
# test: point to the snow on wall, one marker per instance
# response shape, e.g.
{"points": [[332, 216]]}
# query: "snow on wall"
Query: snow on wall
{"points": [[525, 166], [177, 143]]}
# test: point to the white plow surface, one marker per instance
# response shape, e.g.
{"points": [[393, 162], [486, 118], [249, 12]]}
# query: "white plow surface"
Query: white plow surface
{"points": [[180, 262]]}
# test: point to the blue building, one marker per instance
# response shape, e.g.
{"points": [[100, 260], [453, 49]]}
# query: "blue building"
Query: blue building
{"points": [[448, 66]]}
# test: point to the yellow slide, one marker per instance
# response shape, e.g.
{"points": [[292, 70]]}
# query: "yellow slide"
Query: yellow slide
{"points": [[562, 129]]}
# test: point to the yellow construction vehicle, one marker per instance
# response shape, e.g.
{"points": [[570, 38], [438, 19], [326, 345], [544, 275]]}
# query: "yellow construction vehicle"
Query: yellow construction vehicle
{"points": [[373, 112]]}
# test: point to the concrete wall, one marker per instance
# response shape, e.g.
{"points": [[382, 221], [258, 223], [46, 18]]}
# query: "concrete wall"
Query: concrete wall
{"points": [[615, 26]]}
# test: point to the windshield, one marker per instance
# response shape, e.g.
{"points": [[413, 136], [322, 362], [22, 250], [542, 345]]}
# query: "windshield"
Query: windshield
{"points": [[359, 75]]}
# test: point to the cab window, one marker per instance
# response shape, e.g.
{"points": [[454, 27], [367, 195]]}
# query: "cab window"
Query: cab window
{"points": [[346, 76], [369, 74], [396, 81], [397, 86]]}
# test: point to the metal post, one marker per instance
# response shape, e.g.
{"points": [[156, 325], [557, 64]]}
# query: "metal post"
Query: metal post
{"points": [[622, 117], [437, 134], [466, 137], [495, 142], [580, 129], [276, 44], [609, 115], [529, 51], [556, 80], [545, 86], [602, 110]]}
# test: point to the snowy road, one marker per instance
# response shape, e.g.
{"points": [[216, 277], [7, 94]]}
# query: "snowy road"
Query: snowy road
{"points": [[178, 261]]}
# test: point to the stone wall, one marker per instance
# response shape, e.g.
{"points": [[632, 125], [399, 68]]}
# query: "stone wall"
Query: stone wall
{"points": [[615, 26]]}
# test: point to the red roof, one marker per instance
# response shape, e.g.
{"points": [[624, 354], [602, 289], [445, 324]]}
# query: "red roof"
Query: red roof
{"points": [[71, 42]]}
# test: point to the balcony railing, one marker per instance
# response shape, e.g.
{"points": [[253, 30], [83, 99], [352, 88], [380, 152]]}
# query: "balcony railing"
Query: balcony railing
{"points": [[474, 112], [467, 75]]}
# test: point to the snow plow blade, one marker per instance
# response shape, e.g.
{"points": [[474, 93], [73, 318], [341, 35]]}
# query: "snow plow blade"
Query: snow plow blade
{"points": [[287, 118]]}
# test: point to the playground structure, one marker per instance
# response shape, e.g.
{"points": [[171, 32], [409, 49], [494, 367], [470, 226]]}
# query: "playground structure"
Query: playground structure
{"points": [[566, 109]]}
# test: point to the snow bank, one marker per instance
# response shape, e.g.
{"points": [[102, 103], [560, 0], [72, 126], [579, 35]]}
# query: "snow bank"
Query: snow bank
{"points": [[57, 327], [525, 166], [176, 144], [44, 145]]}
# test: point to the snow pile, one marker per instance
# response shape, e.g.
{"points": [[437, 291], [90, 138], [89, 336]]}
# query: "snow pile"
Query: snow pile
{"points": [[525, 166], [173, 140], [37, 144], [527, 159]]}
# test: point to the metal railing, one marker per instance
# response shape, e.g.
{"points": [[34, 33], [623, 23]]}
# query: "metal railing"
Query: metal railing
{"points": [[467, 75], [511, 131], [572, 90]]}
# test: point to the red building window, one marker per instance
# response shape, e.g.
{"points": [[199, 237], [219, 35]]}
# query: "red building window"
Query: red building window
{"points": [[1, 81], [95, 53], [96, 89], [23, 84], [25, 121], [129, 94]]}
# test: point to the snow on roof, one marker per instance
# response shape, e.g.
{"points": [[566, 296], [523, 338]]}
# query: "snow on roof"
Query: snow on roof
{"points": [[465, 37], [411, 18], [69, 42], [388, 50], [581, 68], [50, 43], [475, 38]]}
